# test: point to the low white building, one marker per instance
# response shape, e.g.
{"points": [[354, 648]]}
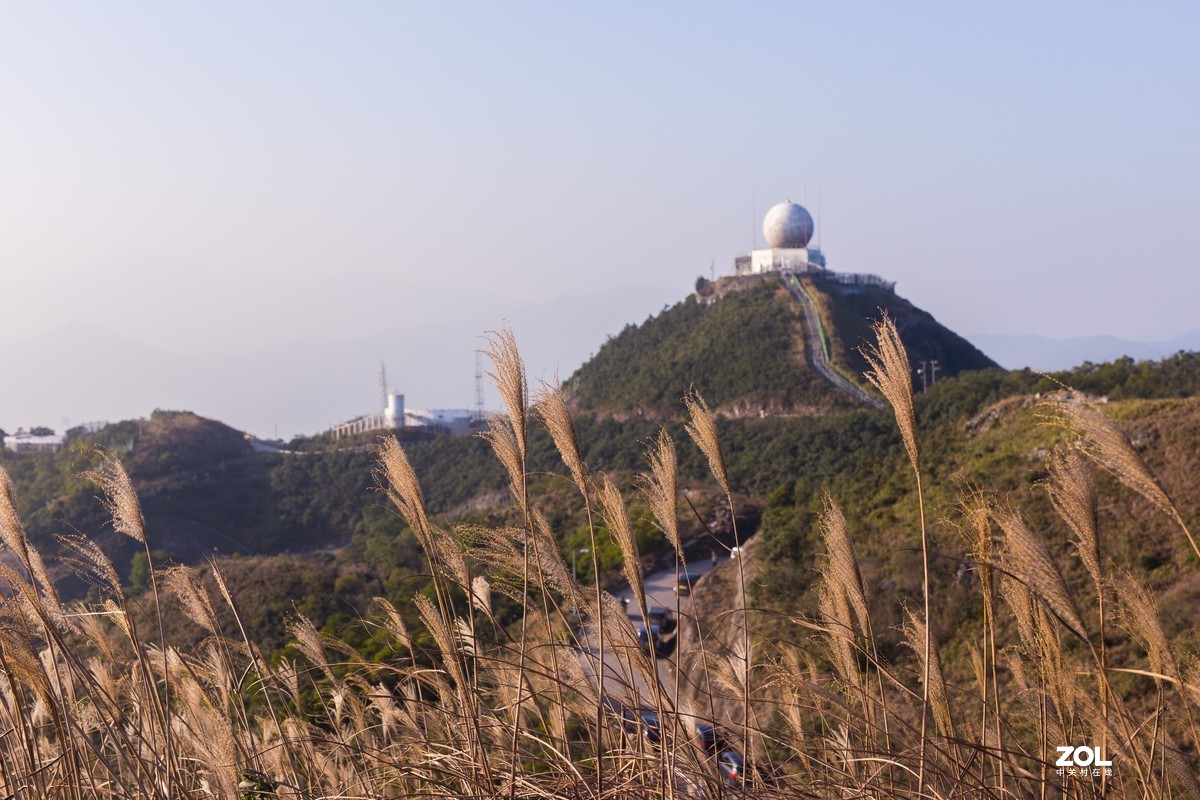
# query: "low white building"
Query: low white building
{"points": [[389, 419], [395, 416], [28, 443], [446, 420]]}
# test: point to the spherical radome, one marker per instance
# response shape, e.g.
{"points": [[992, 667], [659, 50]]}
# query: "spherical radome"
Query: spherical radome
{"points": [[788, 225]]}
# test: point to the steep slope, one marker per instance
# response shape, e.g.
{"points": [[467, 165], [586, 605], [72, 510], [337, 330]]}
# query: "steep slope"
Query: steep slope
{"points": [[849, 310], [744, 352], [745, 345]]}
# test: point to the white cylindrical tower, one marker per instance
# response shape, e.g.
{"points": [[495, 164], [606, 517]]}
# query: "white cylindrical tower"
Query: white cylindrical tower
{"points": [[394, 413]]}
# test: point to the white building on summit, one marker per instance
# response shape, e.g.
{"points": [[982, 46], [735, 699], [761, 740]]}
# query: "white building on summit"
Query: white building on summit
{"points": [[788, 229]]}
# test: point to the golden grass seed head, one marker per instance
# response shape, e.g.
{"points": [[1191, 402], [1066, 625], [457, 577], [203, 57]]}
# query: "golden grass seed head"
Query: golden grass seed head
{"points": [[702, 427], [890, 373], [552, 408], [120, 499], [660, 487], [508, 374]]}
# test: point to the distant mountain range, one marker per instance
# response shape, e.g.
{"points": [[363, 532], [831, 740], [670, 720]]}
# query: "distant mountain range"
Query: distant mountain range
{"points": [[1047, 354], [86, 372], [82, 372]]}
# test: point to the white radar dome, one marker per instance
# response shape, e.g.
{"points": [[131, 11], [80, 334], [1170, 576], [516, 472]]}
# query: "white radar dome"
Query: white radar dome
{"points": [[788, 225]]}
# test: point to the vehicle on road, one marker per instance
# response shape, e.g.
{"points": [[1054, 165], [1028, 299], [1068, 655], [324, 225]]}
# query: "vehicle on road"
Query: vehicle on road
{"points": [[708, 737], [684, 582], [650, 637], [663, 618], [642, 721], [650, 725], [620, 713], [732, 767]]}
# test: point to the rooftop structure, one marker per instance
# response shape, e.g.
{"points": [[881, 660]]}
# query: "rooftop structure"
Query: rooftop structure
{"points": [[789, 230], [394, 416]]}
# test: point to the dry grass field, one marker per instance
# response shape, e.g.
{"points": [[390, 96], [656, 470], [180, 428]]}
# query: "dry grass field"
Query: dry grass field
{"points": [[93, 703]]}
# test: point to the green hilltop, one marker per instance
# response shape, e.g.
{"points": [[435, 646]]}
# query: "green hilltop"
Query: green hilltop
{"points": [[283, 521], [745, 345]]}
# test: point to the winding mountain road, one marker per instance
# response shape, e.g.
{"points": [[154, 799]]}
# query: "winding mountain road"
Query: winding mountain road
{"points": [[817, 346]]}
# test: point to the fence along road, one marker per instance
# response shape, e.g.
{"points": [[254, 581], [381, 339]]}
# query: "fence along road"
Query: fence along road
{"points": [[818, 346]]}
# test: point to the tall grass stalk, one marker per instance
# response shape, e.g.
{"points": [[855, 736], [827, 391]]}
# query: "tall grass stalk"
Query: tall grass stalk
{"points": [[890, 373], [481, 689], [702, 427]]}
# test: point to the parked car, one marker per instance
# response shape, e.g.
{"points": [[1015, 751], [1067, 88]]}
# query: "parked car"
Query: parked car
{"points": [[650, 637], [620, 713], [732, 767], [707, 736], [683, 583], [634, 721], [650, 725], [663, 618]]}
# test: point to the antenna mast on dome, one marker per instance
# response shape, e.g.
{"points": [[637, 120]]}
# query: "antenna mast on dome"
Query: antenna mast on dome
{"points": [[753, 219]]}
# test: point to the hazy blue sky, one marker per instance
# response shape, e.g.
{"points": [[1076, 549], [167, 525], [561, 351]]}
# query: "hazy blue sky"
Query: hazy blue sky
{"points": [[210, 177]]}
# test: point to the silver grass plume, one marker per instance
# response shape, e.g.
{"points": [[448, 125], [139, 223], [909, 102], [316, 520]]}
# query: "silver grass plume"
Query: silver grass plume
{"points": [[120, 500], [12, 533], [702, 427], [89, 562], [839, 631], [891, 374], [1105, 443], [508, 373], [393, 623], [404, 489], [118, 616], [1072, 490], [503, 439], [552, 408], [551, 570], [660, 487], [222, 586], [1139, 613], [1026, 556], [481, 595], [308, 641], [915, 636], [843, 562], [612, 509], [1020, 601], [445, 638], [185, 584]]}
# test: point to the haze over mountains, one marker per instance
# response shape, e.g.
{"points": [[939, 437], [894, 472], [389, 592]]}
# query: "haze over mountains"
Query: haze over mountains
{"points": [[1050, 354], [240, 371], [87, 371]]}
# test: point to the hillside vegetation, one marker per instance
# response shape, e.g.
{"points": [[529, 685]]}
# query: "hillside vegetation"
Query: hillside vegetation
{"points": [[839, 670], [741, 343], [848, 313]]}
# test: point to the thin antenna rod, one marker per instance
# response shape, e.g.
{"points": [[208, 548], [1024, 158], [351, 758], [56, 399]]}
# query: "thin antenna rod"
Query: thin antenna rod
{"points": [[479, 387], [383, 386]]}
